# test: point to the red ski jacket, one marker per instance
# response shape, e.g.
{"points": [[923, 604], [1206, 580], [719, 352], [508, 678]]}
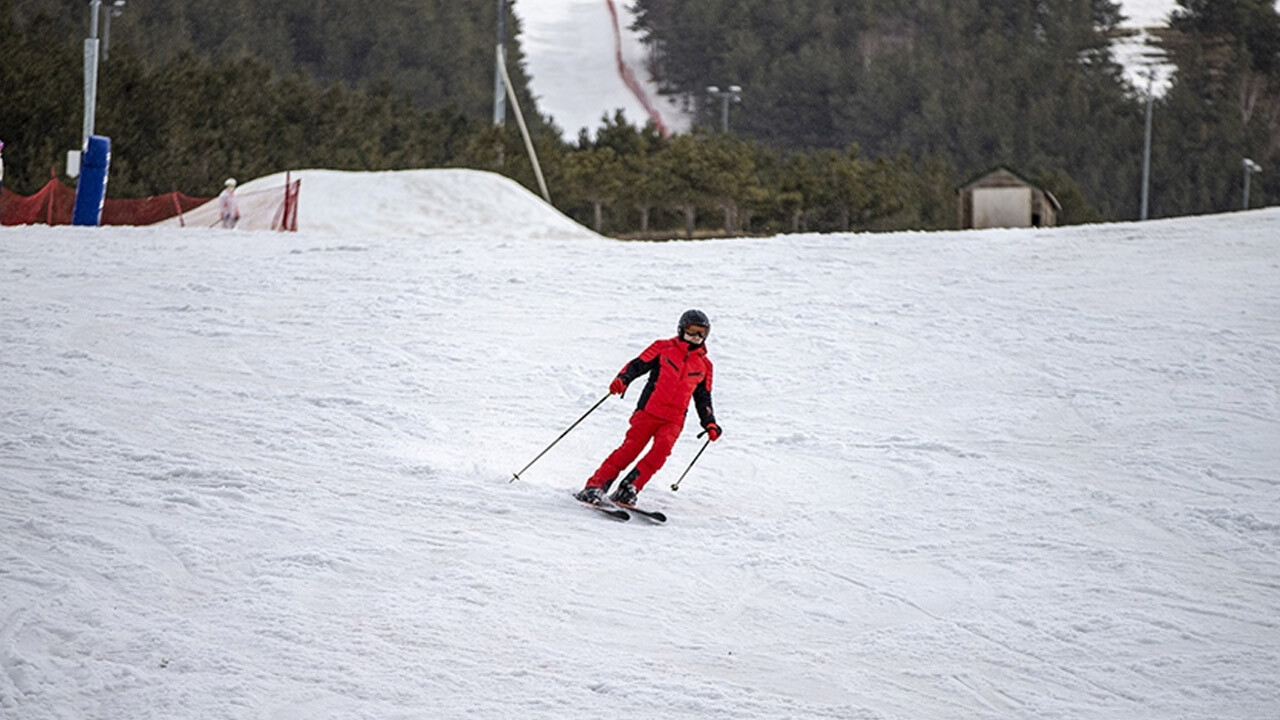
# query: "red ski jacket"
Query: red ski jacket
{"points": [[676, 373]]}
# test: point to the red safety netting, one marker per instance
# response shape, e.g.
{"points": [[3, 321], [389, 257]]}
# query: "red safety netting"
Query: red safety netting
{"points": [[53, 205], [148, 210], [286, 217], [274, 208]]}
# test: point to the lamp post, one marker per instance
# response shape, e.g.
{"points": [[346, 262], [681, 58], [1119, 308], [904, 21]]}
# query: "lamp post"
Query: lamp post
{"points": [[1146, 146], [90, 71], [92, 46], [499, 90], [1250, 167], [733, 94]]}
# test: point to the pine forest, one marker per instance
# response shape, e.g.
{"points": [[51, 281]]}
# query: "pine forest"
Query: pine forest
{"points": [[856, 114]]}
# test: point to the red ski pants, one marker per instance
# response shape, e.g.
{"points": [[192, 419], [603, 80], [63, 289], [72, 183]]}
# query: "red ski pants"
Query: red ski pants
{"points": [[644, 427]]}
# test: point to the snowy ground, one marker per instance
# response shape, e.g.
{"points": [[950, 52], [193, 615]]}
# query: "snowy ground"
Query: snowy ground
{"points": [[1009, 474]]}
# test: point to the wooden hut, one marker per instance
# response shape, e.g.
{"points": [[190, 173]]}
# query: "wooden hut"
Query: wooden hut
{"points": [[1001, 198]]}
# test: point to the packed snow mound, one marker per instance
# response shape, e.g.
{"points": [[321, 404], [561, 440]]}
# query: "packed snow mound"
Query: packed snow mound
{"points": [[399, 203]]}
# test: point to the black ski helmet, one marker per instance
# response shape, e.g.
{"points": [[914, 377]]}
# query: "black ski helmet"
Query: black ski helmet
{"points": [[693, 317]]}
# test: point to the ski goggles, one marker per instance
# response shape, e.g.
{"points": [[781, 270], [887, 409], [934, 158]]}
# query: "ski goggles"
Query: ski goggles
{"points": [[695, 333]]}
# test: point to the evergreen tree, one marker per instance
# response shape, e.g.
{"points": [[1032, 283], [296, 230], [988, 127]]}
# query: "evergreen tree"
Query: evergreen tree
{"points": [[593, 176], [682, 165], [1225, 100], [440, 53], [643, 184], [731, 178], [40, 110]]}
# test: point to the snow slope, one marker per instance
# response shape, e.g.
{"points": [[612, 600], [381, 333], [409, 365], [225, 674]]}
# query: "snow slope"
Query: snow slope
{"points": [[572, 49], [1147, 13], [1005, 474], [1144, 62]]}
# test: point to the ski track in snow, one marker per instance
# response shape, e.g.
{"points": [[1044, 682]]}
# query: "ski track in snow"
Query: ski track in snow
{"points": [[983, 475]]}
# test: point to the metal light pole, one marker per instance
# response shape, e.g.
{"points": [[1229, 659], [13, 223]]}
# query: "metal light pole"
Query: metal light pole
{"points": [[91, 51], [1146, 147], [733, 94], [1250, 167], [90, 71], [499, 91]]}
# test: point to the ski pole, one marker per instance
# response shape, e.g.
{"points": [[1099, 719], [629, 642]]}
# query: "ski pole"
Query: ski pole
{"points": [[676, 485], [516, 476]]}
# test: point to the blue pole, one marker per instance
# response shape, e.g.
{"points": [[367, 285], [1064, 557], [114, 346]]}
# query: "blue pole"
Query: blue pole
{"points": [[92, 188]]}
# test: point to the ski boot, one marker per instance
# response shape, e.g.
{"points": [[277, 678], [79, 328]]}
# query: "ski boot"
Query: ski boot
{"points": [[626, 492], [590, 495]]}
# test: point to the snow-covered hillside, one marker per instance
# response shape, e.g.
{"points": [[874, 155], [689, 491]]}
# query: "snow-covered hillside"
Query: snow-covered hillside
{"points": [[576, 52], [1144, 62], [1008, 474]]}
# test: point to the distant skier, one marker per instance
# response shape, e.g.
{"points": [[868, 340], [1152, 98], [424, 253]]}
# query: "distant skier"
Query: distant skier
{"points": [[678, 370], [228, 206]]}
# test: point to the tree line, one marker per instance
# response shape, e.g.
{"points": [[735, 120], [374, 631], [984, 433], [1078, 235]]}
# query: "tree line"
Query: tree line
{"points": [[189, 122], [856, 115], [1027, 83], [438, 53]]}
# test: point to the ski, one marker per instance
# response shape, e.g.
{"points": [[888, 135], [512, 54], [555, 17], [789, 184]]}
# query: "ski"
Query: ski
{"points": [[653, 515], [612, 511]]}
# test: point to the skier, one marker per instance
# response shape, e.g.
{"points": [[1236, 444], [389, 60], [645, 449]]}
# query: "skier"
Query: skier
{"points": [[678, 369], [228, 205]]}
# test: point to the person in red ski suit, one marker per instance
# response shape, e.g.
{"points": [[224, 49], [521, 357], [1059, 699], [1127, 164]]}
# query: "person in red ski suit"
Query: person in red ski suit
{"points": [[678, 370]]}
